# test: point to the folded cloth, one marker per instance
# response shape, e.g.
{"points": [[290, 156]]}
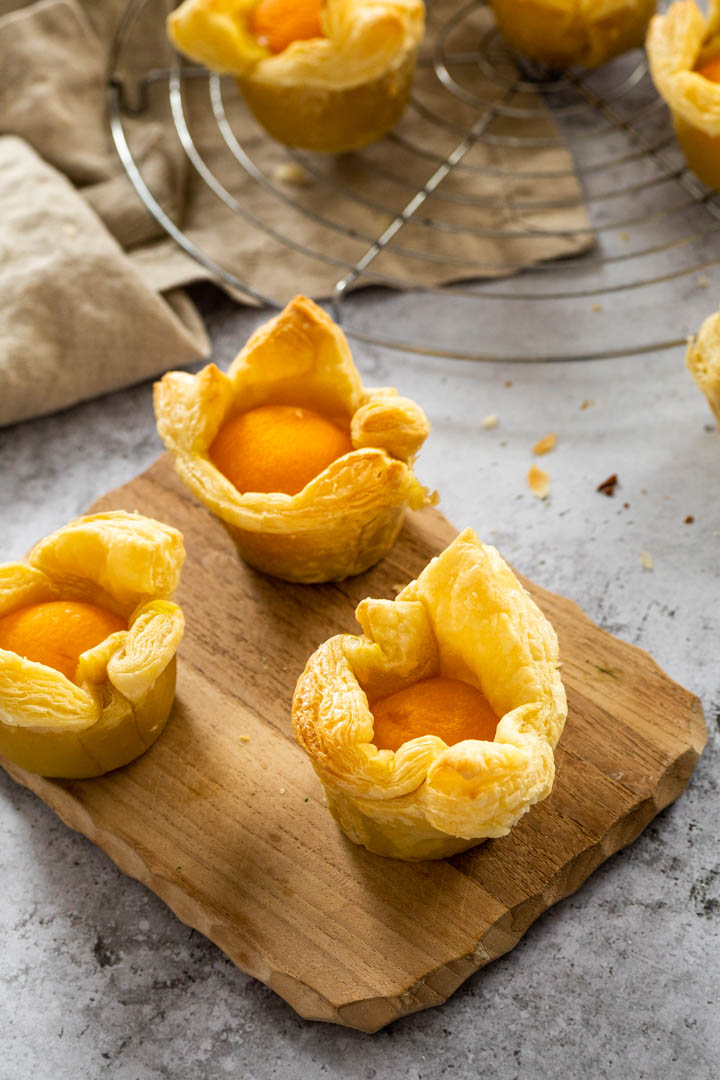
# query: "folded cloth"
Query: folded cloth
{"points": [[76, 318]]}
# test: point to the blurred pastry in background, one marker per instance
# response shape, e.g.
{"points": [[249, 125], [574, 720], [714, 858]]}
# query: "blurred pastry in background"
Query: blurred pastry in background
{"points": [[569, 33], [330, 75], [683, 47]]}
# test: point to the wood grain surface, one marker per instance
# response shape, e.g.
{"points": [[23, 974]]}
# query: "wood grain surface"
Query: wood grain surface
{"points": [[233, 834]]}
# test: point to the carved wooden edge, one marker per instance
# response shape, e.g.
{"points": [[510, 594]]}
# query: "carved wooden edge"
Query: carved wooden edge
{"points": [[372, 1014]]}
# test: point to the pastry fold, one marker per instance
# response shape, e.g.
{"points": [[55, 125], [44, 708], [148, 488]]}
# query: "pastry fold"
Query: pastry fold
{"points": [[333, 93], [565, 33], [124, 687], [465, 617], [347, 517], [677, 43], [703, 361]]}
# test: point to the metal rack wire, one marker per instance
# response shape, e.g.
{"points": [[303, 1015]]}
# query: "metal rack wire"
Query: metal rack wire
{"points": [[638, 285]]}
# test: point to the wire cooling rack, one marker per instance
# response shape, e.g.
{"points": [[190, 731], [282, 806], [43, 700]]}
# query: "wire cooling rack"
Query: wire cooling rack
{"points": [[640, 283]]}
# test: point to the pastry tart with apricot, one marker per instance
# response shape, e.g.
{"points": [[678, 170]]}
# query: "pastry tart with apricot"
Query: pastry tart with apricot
{"points": [[436, 728], [683, 48], [329, 75], [569, 33], [310, 473], [88, 637]]}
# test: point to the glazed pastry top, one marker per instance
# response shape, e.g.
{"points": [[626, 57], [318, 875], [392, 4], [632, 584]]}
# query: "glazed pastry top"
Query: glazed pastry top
{"points": [[363, 38]]}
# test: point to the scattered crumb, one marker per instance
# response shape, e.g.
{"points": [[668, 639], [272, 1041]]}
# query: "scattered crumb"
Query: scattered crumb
{"points": [[626, 506], [647, 560], [667, 498], [643, 491], [545, 445], [306, 799], [597, 307], [608, 486], [688, 519], [508, 383], [538, 482], [178, 869], [703, 281], [587, 403], [489, 421], [244, 738], [624, 238], [291, 172], [282, 790]]}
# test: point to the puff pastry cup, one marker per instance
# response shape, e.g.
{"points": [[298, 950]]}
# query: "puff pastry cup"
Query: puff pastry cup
{"points": [[124, 687], [677, 43], [333, 93], [465, 617], [346, 518], [565, 33], [703, 361]]}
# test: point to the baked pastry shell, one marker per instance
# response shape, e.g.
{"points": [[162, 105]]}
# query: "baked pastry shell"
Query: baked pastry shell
{"points": [[703, 362], [125, 686], [566, 33], [465, 617], [677, 42], [331, 94], [346, 519]]}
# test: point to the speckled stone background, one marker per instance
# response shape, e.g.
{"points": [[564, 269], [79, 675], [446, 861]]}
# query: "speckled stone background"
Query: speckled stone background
{"points": [[622, 980]]}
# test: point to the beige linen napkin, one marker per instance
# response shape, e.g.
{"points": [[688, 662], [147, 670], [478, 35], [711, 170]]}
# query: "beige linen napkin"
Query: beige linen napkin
{"points": [[76, 319], [53, 65]]}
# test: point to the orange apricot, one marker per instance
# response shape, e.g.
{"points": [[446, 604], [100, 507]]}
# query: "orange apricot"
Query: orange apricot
{"points": [[451, 709], [277, 23], [710, 69], [277, 448], [56, 633]]}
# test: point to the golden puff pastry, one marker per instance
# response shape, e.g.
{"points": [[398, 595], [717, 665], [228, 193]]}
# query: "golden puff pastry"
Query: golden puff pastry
{"points": [[117, 696], [678, 43], [703, 361], [346, 518], [565, 33], [468, 618], [333, 92]]}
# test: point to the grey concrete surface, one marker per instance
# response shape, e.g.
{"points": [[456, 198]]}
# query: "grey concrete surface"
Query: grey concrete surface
{"points": [[622, 980]]}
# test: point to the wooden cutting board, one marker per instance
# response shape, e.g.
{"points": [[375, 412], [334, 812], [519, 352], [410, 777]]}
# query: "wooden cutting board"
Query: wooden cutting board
{"points": [[233, 834]]}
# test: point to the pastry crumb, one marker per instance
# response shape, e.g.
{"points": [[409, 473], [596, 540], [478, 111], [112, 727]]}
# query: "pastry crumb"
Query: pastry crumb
{"points": [[489, 421], [647, 560], [703, 281], [244, 738], [539, 482], [291, 172], [688, 519], [545, 445], [587, 403], [597, 307], [624, 238], [508, 384], [608, 485], [282, 790]]}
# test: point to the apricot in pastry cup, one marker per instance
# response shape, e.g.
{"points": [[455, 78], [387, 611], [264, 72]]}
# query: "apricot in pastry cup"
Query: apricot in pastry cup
{"points": [[324, 467], [477, 755], [703, 361], [330, 75], [566, 33], [683, 49], [88, 637]]}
